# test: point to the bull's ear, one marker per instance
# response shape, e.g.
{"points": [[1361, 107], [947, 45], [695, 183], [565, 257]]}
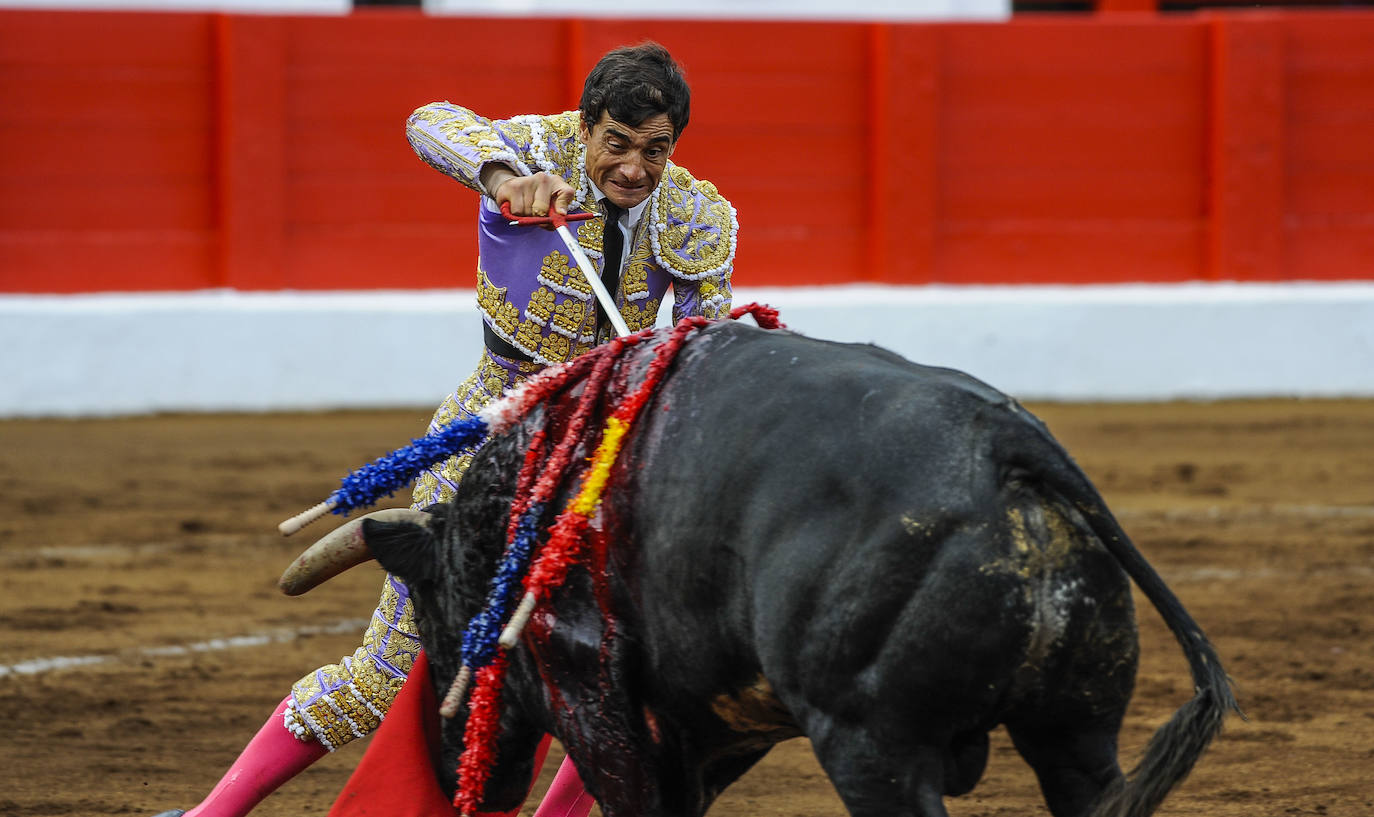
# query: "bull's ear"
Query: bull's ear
{"points": [[406, 549]]}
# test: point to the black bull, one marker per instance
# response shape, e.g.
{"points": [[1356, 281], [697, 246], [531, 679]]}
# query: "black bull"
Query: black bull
{"points": [[809, 538]]}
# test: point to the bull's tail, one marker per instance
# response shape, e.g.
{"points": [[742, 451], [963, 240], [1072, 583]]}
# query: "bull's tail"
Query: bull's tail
{"points": [[1170, 754], [1176, 746]]}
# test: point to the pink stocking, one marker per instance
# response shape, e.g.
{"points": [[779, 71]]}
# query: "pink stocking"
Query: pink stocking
{"points": [[270, 759], [566, 796]]}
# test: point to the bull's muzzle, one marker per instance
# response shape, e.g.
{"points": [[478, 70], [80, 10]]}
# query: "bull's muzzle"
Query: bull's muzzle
{"points": [[339, 550]]}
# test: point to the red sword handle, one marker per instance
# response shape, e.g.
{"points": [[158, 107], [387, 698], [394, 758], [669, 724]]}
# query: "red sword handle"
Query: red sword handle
{"points": [[554, 217]]}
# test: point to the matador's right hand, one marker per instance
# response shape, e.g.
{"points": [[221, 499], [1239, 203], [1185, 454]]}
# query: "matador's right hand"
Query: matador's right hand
{"points": [[528, 195]]}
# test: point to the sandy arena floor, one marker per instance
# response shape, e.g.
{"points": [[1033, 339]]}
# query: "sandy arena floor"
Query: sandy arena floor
{"points": [[140, 549]]}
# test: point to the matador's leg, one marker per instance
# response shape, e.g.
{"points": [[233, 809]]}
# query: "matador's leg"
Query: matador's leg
{"points": [[270, 759], [338, 703], [341, 702]]}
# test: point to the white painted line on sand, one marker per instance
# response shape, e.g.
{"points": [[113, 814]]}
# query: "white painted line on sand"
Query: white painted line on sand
{"points": [[104, 551], [38, 666]]}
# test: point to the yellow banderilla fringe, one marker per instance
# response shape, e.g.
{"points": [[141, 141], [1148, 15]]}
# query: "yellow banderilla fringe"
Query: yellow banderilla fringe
{"points": [[600, 471]]}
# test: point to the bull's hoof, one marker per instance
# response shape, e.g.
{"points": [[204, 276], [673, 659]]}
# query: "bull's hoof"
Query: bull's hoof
{"points": [[176, 812]]}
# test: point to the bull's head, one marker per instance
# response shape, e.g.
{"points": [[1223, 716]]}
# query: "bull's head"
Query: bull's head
{"points": [[447, 572]]}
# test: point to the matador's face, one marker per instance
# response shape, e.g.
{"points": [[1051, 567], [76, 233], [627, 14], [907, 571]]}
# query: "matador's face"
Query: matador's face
{"points": [[624, 162]]}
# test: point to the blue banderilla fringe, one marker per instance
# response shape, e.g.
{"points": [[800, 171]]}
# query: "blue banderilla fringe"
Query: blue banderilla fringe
{"points": [[385, 475]]}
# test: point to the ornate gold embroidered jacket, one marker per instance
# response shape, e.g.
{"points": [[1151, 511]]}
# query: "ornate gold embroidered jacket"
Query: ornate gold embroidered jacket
{"points": [[529, 289]]}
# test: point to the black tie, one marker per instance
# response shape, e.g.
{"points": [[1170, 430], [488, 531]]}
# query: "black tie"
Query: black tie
{"points": [[612, 247]]}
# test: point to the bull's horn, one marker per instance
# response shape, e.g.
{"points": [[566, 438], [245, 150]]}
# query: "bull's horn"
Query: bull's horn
{"points": [[341, 549]]}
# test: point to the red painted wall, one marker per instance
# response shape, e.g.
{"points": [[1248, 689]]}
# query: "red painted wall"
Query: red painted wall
{"points": [[143, 151]]}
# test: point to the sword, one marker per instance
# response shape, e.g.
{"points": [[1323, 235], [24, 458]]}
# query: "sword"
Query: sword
{"points": [[560, 225]]}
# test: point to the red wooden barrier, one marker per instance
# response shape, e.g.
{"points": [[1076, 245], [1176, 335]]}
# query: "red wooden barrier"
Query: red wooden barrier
{"points": [[143, 151]]}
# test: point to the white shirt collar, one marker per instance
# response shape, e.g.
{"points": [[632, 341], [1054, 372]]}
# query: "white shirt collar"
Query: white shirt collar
{"points": [[632, 215]]}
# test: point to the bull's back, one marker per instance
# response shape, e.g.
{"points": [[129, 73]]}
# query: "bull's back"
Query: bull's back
{"points": [[758, 429], [807, 509]]}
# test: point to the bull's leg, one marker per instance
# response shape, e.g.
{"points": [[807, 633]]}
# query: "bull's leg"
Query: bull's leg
{"points": [[873, 781], [1071, 696], [718, 775], [1074, 765], [965, 762]]}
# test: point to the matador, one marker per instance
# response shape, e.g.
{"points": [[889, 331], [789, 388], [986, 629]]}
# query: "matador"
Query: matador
{"points": [[657, 227]]}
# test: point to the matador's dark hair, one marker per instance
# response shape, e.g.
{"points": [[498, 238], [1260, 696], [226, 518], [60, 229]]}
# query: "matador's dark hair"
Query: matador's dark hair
{"points": [[632, 83]]}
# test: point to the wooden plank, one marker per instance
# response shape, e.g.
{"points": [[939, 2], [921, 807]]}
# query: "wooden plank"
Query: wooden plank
{"points": [[268, 152], [1246, 151], [250, 183], [903, 159], [1068, 147]]}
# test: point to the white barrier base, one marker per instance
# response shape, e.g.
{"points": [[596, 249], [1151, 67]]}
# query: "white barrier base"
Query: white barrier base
{"points": [[95, 355]]}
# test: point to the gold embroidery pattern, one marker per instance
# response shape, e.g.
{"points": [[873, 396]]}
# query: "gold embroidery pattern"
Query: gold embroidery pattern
{"points": [[707, 291], [340, 702], [489, 381], [555, 347], [435, 115], [634, 280], [492, 301], [582, 347], [554, 321], [562, 151], [709, 297], [563, 127], [512, 132], [529, 335], [460, 127], [541, 306], [452, 127], [640, 314], [556, 272], [590, 234], [572, 316], [694, 227], [484, 137], [456, 142]]}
